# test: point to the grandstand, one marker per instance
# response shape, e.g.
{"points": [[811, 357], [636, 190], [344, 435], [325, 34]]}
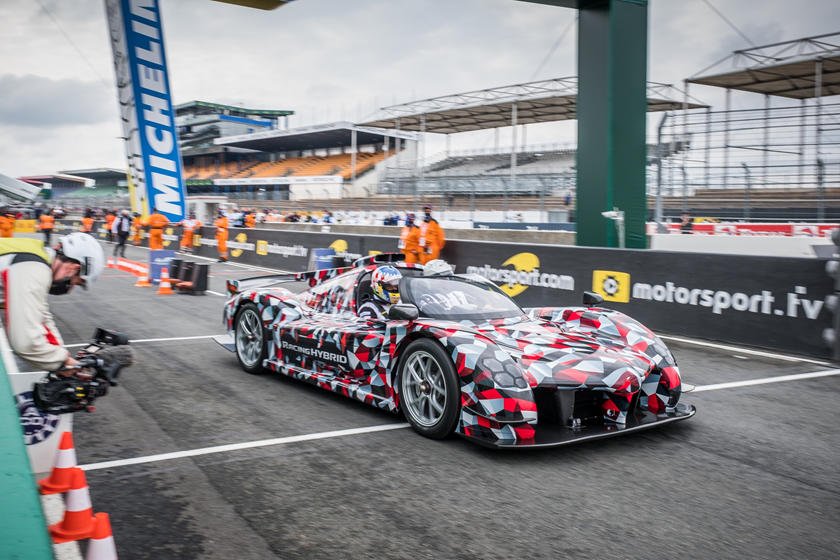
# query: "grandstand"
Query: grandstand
{"points": [[332, 160]]}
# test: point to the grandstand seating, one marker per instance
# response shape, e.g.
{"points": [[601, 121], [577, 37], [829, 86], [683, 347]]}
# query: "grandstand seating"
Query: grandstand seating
{"points": [[338, 164], [499, 164]]}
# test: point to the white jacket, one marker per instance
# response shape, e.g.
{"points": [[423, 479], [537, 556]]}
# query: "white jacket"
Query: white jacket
{"points": [[32, 333]]}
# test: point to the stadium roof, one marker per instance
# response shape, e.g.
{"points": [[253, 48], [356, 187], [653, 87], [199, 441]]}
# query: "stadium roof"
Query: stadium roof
{"points": [[331, 135], [786, 69], [204, 107], [544, 101], [97, 173]]}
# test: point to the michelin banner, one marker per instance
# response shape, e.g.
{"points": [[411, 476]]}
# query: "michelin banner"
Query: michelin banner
{"points": [[154, 159], [770, 302]]}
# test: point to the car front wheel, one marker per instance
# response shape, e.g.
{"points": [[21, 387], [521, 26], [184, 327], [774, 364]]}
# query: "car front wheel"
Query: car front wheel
{"points": [[429, 389], [250, 339]]}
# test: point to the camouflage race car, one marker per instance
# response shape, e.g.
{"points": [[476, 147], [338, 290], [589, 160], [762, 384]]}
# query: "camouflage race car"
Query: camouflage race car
{"points": [[459, 355]]}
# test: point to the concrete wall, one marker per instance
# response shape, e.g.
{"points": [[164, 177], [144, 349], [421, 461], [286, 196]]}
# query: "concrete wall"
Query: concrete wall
{"points": [[496, 235], [771, 246]]}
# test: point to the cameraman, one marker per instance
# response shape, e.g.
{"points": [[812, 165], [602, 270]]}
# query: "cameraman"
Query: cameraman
{"points": [[28, 272]]}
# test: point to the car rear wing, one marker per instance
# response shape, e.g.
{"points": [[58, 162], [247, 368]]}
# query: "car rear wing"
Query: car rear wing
{"points": [[311, 277], [379, 258], [257, 282]]}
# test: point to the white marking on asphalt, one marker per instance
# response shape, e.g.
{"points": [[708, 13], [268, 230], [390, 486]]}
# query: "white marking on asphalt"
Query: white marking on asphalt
{"points": [[765, 380], [151, 340], [238, 446], [741, 350], [215, 293], [386, 427]]}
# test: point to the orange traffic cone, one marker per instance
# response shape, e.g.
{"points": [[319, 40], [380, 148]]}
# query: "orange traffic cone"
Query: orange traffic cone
{"points": [[110, 262], [143, 279], [60, 478], [78, 519], [165, 287], [101, 546]]}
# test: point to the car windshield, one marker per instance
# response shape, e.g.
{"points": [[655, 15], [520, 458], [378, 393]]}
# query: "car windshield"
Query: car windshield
{"points": [[458, 299]]}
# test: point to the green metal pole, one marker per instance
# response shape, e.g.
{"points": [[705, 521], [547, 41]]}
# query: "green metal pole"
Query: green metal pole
{"points": [[611, 111]]}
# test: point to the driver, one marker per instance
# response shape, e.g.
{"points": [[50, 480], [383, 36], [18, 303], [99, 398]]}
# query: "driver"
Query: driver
{"points": [[28, 272], [384, 283]]}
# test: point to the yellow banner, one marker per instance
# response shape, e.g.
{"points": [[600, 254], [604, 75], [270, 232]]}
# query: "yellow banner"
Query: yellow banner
{"points": [[25, 226]]}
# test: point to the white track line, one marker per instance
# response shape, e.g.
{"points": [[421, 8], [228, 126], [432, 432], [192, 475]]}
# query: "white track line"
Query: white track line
{"points": [[238, 446], [215, 293], [765, 380], [742, 350], [151, 340], [386, 427]]}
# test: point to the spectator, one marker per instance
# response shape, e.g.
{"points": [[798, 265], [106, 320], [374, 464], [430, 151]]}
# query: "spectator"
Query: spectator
{"points": [[121, 227], [87, 223], [686, 223], [567, 200]]}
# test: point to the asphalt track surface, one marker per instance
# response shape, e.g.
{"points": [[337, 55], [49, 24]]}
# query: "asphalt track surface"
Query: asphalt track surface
{"points": [[755, 474]]}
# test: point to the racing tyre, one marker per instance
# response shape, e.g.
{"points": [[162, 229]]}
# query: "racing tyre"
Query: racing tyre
{"points": [[249, 337], [429, 389]]}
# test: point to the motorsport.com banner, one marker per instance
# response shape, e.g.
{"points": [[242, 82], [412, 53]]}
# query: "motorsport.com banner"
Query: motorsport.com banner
{"points": [[770, 302]]}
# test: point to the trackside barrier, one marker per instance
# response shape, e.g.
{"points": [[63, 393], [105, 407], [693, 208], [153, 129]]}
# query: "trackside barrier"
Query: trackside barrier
{"points": [[23, 532], [764, 301]]}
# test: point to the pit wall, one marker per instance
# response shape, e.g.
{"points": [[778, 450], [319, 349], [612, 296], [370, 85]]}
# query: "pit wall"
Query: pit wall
{"points": [[764, 301]]}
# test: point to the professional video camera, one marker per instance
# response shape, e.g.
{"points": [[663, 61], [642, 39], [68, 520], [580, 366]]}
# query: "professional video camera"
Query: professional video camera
{"points": [[100, 363]]}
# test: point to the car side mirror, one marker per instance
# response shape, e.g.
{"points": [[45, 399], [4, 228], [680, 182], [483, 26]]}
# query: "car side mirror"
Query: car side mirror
{"points": [[403, 312], [591, 298]]}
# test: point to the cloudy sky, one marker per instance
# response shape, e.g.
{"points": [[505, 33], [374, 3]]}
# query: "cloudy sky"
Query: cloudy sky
{"points": [[334, 59]]}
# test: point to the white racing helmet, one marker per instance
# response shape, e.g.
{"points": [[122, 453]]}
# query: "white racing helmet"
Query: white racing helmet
{"points": [[86, 250], [437, 267]]}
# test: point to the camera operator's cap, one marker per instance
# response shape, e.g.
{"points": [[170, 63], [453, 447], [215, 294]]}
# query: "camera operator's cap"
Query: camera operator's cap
{"points": [[85, 250]]}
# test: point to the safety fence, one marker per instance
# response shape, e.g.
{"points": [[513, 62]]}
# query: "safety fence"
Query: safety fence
{"points": [[769, 302]]}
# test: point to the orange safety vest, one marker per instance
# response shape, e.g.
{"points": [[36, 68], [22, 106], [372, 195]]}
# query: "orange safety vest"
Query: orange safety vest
{"points": [[47, 222], [431, 236], [158, 221], [221, 225], [191, 225], [87, 225], [409, 239]]}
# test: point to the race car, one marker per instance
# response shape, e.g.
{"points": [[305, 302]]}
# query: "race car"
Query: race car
{"points": [[458, 355]]}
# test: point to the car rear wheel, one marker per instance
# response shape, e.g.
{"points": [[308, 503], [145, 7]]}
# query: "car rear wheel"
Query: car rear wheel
{"points": [[249, 337], [429, 389]]}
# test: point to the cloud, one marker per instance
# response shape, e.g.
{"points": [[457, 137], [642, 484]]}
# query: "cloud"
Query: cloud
{"points": [[41, 102]]}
